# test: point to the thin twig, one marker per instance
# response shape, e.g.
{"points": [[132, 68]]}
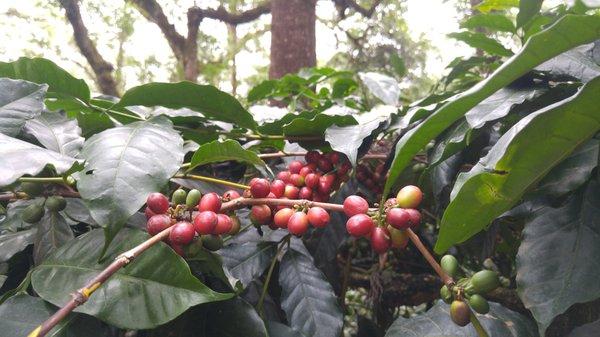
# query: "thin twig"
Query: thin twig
{"points": [[477, 325], [430, 259], [211, 180], [261, 299]]}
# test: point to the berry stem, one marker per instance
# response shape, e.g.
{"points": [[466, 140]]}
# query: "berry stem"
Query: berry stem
{"points": [[430, 259], [261, 300], [13, 195], [42, 180], [477, 325], [211, 180]]}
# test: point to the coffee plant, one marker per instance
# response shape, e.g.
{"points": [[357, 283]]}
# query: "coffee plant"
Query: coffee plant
{"points": [[178, 210]]}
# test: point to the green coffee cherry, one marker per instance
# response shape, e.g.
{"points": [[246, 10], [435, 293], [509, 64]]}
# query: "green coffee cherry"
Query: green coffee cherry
{"points": [[479, 304], [450, 265], [446, 294], [212, 242], [32, 189], [56, 203], [193, 198], [179, 197], [32, 213], [193, 248], [460, 313], [485, 281], [418, 167]]}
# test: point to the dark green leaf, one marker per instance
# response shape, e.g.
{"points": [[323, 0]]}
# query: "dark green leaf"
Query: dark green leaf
{"points": [[233, 318], [158, 284], [52, 232], [20, 101], [495, 22], [20, 158], [210, 101], [275, 127], [576, 63], [481, 41], [229, 149], [317, 125], [527, 10], [76, 210], [13, 221], [522, 156], [566, 33], [307, 299], [586, 330], [12, 243], [123, 165], [248, 260], [382, 86], [262, 90], [277, 329], [56, 133], [499, 322], [557, 264], [452, 140], [343, 87], [39, 70]]}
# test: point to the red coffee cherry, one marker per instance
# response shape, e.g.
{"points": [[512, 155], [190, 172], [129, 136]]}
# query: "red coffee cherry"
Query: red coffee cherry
{"points": [[282, 217], [230, 195], [277, 188], [305, 193], [325, 165], [344, 168], [284, 176], [210, 202], [312, 166], [158, 223], [318, 217], [359, 225], [205, 222], [312, 156], [415, 217], [355, 205], [305, 170], [334, 157], [311, 180], [380, 240], [295, 166], [298, 223], [297, 180], [260, 188], [260, 214], [224, 224], [398, 217], [291, 192], [158, 203], [325, 183], [182, 233], [148, 212], [409, 196]]}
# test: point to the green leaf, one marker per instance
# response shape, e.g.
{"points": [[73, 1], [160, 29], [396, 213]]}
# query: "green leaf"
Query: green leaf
{"points": [[277, 329], [56, 133], [123, 165], [12, 243], [307, 299], [229, 149], [481, 41], [20, 158], [496, 5], [22, 313], [262, 90], [153, 289], [317, 125], [19, 101], [343, 87], [585, 330], [249, 260], [566, 238], [566, 33], [451, 141], [527, 10], [398, 65], [576, 63], [52, 232], [233, 318], [39, 70], [13, 222], [499, 322], [382, 86], [495, 22], [210, 101], [522, 156]]}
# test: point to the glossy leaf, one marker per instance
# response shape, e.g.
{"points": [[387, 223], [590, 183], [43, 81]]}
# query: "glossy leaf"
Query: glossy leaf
{"points": [[566, 33], [527, 10], [125, 164], [207, 99], [277, 329], [249, 260], [158, 284], [39, 70], [12, 243], [20, 101], [56, 132], [566, 238], [481, 41], [436, 322], [316, 126], [20, 158], [307, 299], [495, 22], [522, 156], [576, 63], [233, 318], [586, 330], [386, 88], [229, 149], [52, 232]]}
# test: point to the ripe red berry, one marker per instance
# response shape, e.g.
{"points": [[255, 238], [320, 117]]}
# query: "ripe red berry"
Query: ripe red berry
{"points": [[359, 225], [158, 203], [334, 157], [305, 193], [291, 192], [205, 222], [355, 205], [312, 156], [305, 170], [295, 166], [277, 188], [398, 218], [282, 217], [324, 164], [182, 233], [415, 217], [260, 188], [297, 180], [409, 196], [231, 194], [149, 213], [298, 223], [325, 183], [312, 166], [318, 217], [224, 224], [344, 168], [380, 240], [158, 223], [260, 214], [311, 180], [210, 202], [284, 176]]}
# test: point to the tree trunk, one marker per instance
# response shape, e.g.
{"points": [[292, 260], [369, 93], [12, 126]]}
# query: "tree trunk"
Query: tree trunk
{"points": [[292, 36]]}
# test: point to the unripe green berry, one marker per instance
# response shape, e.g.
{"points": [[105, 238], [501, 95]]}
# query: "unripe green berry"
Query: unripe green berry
{"points": [[33, 213], [449, 265], [446, 294], [479, 304], [485, 281], [56, 203], [179, 197], [212, 242], [193, 198], [32, 189]]}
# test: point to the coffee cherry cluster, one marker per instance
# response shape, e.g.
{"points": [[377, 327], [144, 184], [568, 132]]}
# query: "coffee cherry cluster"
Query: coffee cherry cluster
{"points": [[35, 212], [373, 177], [191, 229], [467, 292], [388, 230]]}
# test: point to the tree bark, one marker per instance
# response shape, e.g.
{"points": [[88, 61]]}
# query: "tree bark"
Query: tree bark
{"points": [[292, 36]]}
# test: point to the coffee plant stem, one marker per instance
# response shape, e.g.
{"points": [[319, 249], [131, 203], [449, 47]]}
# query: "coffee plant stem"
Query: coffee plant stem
{"points": [[477, 325], [241, 202], [211, 180], [11, 196], [261, 299], [430, 259], [42, 180]]}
